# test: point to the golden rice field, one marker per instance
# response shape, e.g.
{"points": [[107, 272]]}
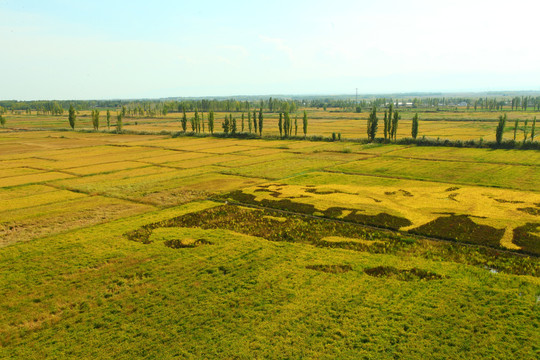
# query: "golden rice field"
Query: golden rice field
{"points": [[147, 246]]}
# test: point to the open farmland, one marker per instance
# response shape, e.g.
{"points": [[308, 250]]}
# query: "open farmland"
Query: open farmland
{"points": [[458, 124], [197, 247]]}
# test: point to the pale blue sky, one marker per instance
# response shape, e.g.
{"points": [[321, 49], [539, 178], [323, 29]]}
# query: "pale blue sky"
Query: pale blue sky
{"points": [[60, 49]]}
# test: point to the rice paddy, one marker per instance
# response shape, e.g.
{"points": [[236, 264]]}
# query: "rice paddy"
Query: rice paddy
{"points": [[190, 247]]}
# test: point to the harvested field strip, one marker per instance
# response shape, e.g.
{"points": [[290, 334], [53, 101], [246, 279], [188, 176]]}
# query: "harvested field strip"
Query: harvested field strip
{"points": [[474, 155], [38, 200], [504, 176], [105, 167], [280, 169], [205, 161], [21, 192], [44, 220], [18, 171], [179, 156], [33, 178]]}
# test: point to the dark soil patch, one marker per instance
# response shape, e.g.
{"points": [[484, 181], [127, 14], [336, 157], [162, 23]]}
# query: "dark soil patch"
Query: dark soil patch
{"points": [[502, 201], [406, 193], [530, 211], [453, 196], [453, 188], [383, 220], [461, 228], [334, 269], [177, 243], [404, 275], [323, 191], [529, 243]]}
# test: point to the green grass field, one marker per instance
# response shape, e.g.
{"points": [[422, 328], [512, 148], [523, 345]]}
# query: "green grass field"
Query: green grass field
{"points": [[147, 246]]}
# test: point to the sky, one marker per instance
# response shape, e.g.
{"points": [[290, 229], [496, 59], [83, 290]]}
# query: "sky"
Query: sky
{"points": [[61, 49]]}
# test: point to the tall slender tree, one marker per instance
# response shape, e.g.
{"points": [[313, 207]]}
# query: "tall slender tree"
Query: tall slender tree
{"points": [[395, 122], [287, 124], [255, 121], [211, 122], [184, 120], [386, 125], [533, 129], [71, 116], [515, 128], [95, 119], [280, 124], [295, 125], [261, 120], [108, 120], [525, 131], [2, 121], [414, 127], [242, 122], [249, 121], [119, 123], [305, 123], [226, 124], [372, 124], [500, 129], [233, 125]]}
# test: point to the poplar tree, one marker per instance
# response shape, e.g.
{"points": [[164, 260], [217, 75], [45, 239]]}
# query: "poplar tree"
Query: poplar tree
{"points": [[119, 123], [414, 128], [372, 124], [255, 121], [515, 128], [296, 125], [72, 117], [386, 125], [194, 120], [233, 125], [500, 129], [287, 124], [395, 125], [390, 113], [525, 132], [533, 128], [95, 119], [2, 121], [261, 121], [211, 121], [242, 122], [184, 120], [249, 121], [305, 123], [225, 125], [280, 124], [108, 120]]}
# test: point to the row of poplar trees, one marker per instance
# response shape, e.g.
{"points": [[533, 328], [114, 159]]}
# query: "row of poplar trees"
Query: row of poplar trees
{"points": [[391, 121], [72, 117], [525, 129], [229, 124]]}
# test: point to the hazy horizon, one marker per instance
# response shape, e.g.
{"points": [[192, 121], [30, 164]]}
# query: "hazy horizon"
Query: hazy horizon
{"points": [[133, 50]]}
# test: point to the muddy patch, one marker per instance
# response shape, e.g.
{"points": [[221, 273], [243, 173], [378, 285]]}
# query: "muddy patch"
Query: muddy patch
{"points": [[453, 188], [413, 274], [333, 269], [186, 243], [530, 211], [461, 228], [527, 237]]}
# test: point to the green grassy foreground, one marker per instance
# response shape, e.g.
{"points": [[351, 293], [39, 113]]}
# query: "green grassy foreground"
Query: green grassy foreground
{"points": [[92, 293]]}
